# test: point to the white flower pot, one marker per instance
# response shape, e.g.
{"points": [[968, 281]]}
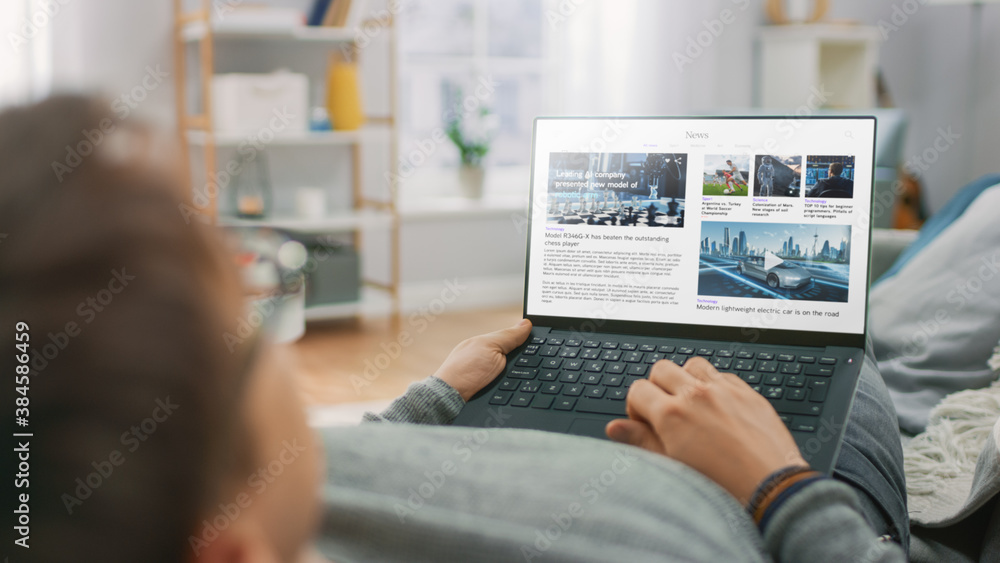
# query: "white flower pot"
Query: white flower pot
{"points": [[471, 179]]}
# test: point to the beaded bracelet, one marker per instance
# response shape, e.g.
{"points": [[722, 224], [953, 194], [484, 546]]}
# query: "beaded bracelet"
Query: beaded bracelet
{"points": [[770, 483]]}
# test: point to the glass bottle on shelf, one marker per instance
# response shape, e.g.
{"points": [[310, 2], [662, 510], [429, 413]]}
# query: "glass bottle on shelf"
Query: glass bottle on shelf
{"points": [[251, 196]]}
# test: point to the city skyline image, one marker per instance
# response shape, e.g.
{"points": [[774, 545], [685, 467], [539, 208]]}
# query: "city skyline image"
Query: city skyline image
{"points": [[827, 243]]}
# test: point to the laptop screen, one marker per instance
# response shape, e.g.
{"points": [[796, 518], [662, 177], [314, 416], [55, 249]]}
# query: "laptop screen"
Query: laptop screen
{"points": [[707, 222]]}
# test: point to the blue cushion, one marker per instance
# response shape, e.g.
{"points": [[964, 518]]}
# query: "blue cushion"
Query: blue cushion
{"points": [[941, 220]]}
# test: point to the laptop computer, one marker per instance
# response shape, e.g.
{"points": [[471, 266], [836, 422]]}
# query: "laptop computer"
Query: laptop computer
{"points": [[744, 240]]}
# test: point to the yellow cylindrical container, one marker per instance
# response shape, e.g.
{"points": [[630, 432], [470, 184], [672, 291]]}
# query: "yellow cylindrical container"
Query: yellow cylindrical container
{"points": [[343, 94]]}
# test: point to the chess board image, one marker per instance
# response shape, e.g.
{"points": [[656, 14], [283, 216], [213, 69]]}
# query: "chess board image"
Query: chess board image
{"points": [[648, 213]]}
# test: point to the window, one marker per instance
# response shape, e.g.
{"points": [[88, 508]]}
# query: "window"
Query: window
{"points": [[25, 60], [458, 57]]}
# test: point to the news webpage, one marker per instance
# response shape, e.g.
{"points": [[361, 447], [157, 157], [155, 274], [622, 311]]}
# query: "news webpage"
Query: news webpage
{"points": [[723, 222]]}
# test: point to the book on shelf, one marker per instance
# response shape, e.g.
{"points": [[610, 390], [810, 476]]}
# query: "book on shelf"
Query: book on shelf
{"points": [[337, 13]]}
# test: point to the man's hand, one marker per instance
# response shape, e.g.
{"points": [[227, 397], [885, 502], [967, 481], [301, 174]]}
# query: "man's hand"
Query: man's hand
{"points": [[711, 421], [476, 361]]}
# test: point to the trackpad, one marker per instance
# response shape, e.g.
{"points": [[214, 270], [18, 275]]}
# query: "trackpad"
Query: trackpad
{"points": [[589, 427]]}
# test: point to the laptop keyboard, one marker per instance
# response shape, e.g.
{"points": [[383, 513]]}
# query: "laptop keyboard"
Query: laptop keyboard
{"points": [[593, 376]]}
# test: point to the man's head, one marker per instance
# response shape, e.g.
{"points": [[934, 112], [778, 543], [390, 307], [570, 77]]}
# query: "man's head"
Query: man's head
{"points": [[144, 425], [836, 169]]}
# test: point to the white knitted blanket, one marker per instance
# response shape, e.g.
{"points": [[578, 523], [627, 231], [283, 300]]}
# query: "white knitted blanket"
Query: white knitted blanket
{"points": [[953, 467]]}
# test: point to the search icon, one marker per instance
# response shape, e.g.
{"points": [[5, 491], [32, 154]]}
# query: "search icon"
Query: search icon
{"points": [[849, 134]]}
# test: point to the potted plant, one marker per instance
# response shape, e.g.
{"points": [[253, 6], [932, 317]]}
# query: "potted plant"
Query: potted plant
{"points": [[471, 132]]}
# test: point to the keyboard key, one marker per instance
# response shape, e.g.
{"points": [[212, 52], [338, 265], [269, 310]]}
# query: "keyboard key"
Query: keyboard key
{"points": [[744, 365], [542, 402], [573, 390], [773, 379], [610, 345], [768, 367], [595, 391], [528, 362], [551, 363], [744, 355], [500, 397], [611, 355], [755, 388], [638, 369], [721, 363], [633, 357], [828, 361], [555, 341], [807, 359], [613, 380], [665, 349], [591, 354], [788, 407], [530, 387], [651, 348], [538, 340], [569, 352], [548, 351], [509, 385], [615, 367], [817, 393], [530, 350], [631, 380], [590, 379], [796, 394], [804, 424], [751, 377], [705, 351], [786, 358], [573, 365], [629, 346], [522, 373], [617, 394], [791, 368], [521, 400], [685, 350], [796, 381], [595, 367], [549, 375], [564, 404], [552, 388], [773, 392], [601, 406], [724, 354], [574, 343], [570, 377], [765, 356], [591, 344], [819, 370], [654, 357]]}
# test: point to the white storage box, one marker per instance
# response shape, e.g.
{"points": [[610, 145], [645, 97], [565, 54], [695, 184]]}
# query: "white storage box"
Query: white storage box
{"points": [[244, 104]]}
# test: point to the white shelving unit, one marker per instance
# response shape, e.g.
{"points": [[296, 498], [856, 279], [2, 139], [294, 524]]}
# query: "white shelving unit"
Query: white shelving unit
{"points": [[838, 61], [195, 31]]}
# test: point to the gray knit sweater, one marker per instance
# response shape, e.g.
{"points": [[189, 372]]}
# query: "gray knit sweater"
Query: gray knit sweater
{"points": [[406, 493]]}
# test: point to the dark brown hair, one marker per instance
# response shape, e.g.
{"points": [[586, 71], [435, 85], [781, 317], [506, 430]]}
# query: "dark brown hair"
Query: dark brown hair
{"points": [[103, 248]]}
